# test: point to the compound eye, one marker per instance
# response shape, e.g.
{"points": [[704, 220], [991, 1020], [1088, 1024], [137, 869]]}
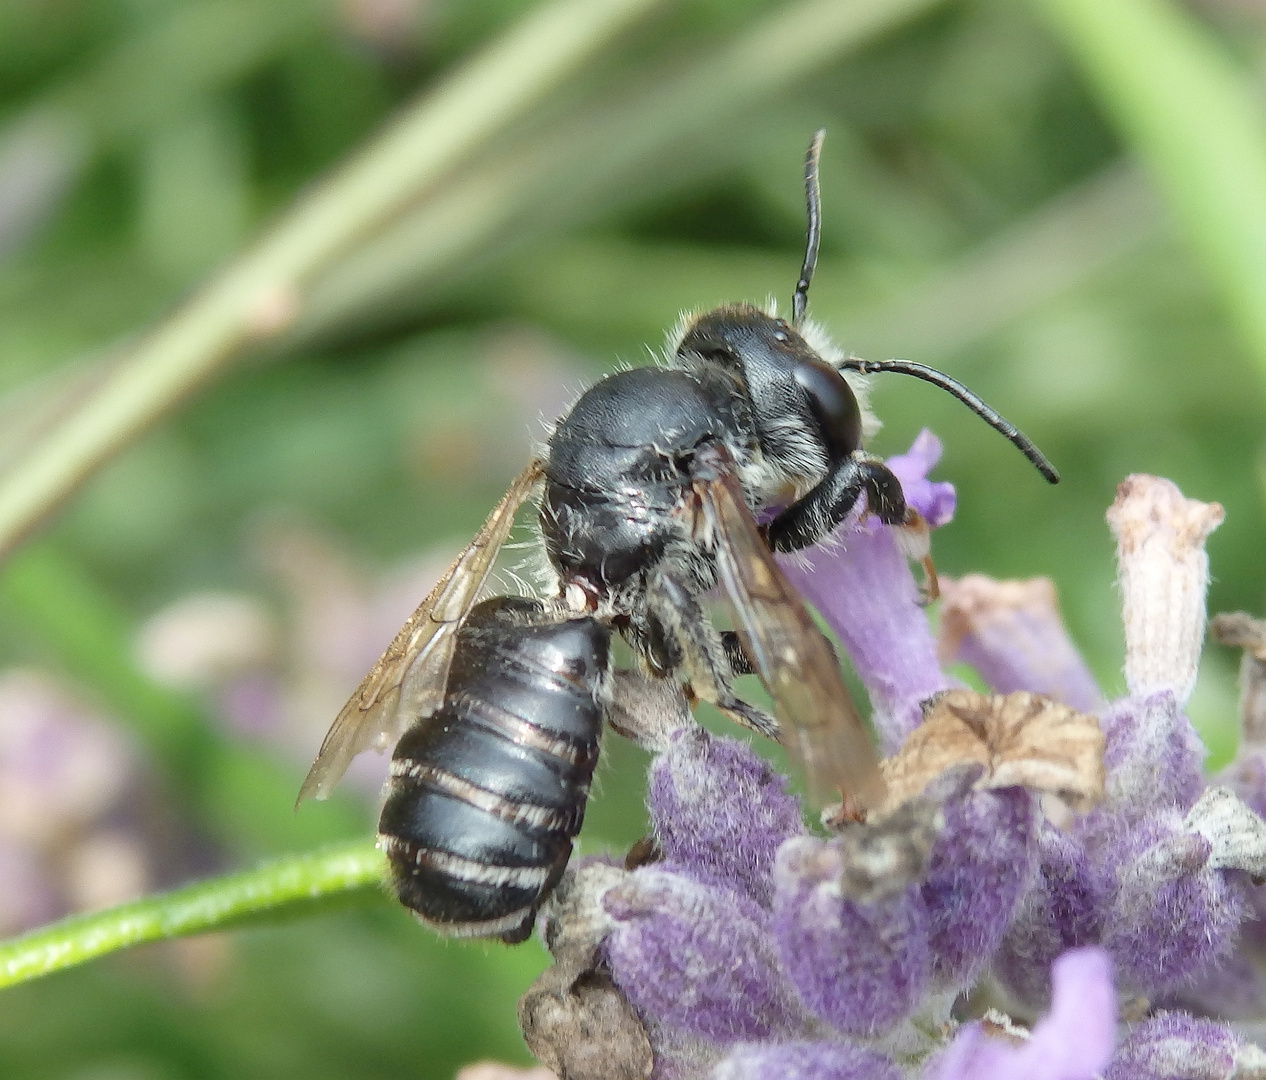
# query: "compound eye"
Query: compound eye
{"points": [[834, 406]]}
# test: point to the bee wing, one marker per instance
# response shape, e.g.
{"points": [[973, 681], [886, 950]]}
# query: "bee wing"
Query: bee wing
{"points": [[408, 680], [821, 726]]}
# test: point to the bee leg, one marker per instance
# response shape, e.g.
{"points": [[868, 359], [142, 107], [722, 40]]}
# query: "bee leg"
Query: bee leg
{"points": [[736, 654], [703, 656], [815, 516], [741, 663], [647, 709]]}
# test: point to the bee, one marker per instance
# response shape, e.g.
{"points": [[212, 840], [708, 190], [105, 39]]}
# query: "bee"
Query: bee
{"points": [[651, 487]]}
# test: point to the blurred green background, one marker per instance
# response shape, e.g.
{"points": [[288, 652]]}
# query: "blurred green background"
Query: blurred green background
{"points": [[211, 594]]}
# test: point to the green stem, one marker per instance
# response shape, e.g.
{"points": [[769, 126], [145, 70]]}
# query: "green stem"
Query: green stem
{"points": [[263, 292], [290, 886], [1193, 116], [554, 181]]}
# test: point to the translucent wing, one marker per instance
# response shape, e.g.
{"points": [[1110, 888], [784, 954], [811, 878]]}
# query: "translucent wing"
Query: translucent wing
{"points": [[821, 726], [408, 680]]}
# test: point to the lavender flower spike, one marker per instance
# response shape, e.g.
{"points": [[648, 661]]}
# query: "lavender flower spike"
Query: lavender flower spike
{"points": [[1012, 634], [862, 584], [1073, 1042]]}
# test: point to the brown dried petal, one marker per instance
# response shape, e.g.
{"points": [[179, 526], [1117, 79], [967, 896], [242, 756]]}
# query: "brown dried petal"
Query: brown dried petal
{"points": [[942, 741], [1241, 631], [584, 1029], [1020, 740]]}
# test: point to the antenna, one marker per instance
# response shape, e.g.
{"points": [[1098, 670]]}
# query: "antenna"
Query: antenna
{"points": [[988, 415], [813, 202]]}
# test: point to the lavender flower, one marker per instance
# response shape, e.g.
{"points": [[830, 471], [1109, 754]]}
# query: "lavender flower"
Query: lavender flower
{"points": [[697, 959], [858, 966], [861, 583], [721, 810], [1012, 634], [1171, 917], [1172, 1046], [748, 953], [1063, 908], [1074, 1042], [980, 868]]}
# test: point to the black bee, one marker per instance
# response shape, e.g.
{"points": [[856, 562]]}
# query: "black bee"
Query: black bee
{"points": [[652, 486]]}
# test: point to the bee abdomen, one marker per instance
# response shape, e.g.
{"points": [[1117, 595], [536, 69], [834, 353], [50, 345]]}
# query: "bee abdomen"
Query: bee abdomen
{"points": [[484, 801]]}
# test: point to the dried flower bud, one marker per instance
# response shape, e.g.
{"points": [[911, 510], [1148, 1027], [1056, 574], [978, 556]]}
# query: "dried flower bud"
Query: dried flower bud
{"points": [[862, 585], [1163, 572], [881, 857], [860, 967], [697, 959], [805, 1061], [1020, 739], [721, 812], [1012, 634], [572, 920], [1236, 835], [582, 1029], [1244, 632]]}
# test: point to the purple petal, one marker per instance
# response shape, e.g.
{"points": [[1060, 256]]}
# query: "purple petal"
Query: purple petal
{"points": [[1012, 634], [697, 959], [1062, 910], [1073, 1042], [935, 500], [859, 966], [720, 812], [805, 1061], [982, 864], [862, 585]]}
